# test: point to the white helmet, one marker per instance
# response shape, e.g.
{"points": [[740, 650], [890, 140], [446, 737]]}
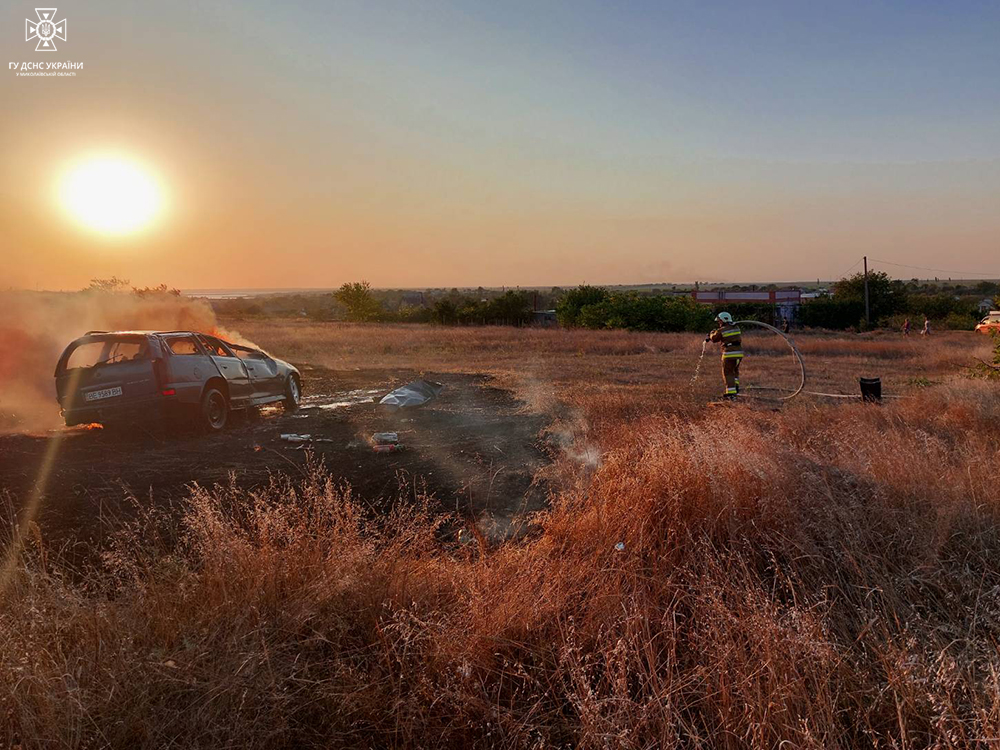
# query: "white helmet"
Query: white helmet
{"points": [[725, 318]]}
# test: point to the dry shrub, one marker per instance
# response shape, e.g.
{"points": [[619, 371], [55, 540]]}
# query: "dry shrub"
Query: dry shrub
{"points": [[822, 577]]}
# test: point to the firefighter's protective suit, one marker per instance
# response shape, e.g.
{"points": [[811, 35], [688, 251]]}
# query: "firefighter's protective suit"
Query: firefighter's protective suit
{"points": [[731, 339]]}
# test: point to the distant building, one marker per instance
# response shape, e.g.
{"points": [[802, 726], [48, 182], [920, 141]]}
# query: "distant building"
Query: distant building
{"points": [[785, 301], [411, 300], [985, 305], [544, 318]]}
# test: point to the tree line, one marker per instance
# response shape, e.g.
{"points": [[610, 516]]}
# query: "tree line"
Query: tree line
{"points": [[512, 308], [890, 301]]}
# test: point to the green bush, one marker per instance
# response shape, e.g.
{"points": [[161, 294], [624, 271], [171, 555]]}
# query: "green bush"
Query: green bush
{"points": [[411, 315], [511, 308], [886, 296], [940, 307], [635, 312], [831, 312], [359, 301], [445, 312], [571, 304], [957, 321]]}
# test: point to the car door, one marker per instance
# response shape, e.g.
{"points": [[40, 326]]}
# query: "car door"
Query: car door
{"points": [[189, 366], [230, 367], [264, 375], [270, 378], [106, 371]]}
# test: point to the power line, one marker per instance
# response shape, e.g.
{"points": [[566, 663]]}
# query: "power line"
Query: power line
{"points": [[959, 274], [844, 274]]}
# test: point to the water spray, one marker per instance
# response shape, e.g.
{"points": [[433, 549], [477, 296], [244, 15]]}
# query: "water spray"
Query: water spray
{"points": [[697, 368]]}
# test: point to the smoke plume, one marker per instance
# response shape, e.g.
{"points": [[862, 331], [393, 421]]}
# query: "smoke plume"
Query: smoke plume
{"points": [[35, 327]]}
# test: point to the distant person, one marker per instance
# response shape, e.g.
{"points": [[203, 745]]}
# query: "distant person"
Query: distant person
{"points": [[730, 340], [784, 325], [927, 327], [906, 327]]}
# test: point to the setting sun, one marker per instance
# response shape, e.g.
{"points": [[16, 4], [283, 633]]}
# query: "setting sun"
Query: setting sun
{"points": [[111, 195]]}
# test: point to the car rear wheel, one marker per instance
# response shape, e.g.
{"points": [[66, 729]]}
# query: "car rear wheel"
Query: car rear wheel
{"points": [[214, 410], [293, 393]]}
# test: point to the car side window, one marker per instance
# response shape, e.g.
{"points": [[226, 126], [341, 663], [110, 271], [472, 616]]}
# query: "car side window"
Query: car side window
{"points": [[214, 347], [183, 345], [245, 353]]}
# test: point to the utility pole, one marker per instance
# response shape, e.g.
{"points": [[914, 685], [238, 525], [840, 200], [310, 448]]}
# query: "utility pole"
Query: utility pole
{"points": [[868, 315]]}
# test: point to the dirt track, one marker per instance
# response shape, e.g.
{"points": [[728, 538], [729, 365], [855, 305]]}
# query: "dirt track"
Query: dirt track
{"points": [[473, 449]]}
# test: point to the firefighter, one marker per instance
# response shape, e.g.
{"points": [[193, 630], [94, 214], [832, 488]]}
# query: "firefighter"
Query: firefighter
{"points": [[729, 337]]}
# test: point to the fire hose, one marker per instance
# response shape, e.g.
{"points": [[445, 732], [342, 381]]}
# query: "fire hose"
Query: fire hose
{"points": [[802, 369], [795, 351]]}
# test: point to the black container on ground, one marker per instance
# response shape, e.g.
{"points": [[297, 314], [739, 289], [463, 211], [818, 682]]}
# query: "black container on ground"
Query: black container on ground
{"points": [[871, 390]]}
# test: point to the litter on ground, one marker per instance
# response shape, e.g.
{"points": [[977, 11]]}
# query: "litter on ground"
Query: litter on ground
{"points": [[291, 437], [386, 442], [342, 404]]}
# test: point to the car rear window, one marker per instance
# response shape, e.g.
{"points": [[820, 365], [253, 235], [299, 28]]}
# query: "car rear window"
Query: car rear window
{"points": [[107, 353], [183, 345]]}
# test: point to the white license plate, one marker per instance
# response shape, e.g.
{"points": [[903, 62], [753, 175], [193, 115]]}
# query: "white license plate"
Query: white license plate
{"points": [[106, 393]]}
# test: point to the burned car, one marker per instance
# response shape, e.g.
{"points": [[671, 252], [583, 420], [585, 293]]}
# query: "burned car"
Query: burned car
{"points": [[123, 376]]}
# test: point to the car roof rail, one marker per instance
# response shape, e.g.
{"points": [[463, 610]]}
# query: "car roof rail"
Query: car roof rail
{"points": [[88, 333]]}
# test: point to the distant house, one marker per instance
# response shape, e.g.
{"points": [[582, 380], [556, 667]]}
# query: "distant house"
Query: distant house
{"points": [[784, 301], [985, 305], [544, 318], [411, 300]]}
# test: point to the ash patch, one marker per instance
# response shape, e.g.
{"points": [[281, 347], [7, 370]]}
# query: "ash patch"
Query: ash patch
{"points": [[476, 449]]}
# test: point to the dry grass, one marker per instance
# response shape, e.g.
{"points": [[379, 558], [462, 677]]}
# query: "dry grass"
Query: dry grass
{"points": [[649, 370], [821, 577]]}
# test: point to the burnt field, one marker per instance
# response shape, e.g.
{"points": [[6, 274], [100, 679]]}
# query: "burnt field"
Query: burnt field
{"points": [[821, 573], [474, 451]]}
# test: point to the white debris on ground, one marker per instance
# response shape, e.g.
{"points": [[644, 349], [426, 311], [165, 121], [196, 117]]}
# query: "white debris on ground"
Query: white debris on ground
{"points": [[414, 394], [339, 400], [417, 393]]}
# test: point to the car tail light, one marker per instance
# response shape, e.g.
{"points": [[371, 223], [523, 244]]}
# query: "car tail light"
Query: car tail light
{"points": [[169, 392]]}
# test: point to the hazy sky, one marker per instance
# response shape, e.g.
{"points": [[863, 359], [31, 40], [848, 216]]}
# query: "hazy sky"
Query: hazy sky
{"points": [[467, 143]]}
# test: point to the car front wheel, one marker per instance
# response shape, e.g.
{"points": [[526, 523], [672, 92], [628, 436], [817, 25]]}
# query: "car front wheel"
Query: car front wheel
{"points": [[214, 410]]}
